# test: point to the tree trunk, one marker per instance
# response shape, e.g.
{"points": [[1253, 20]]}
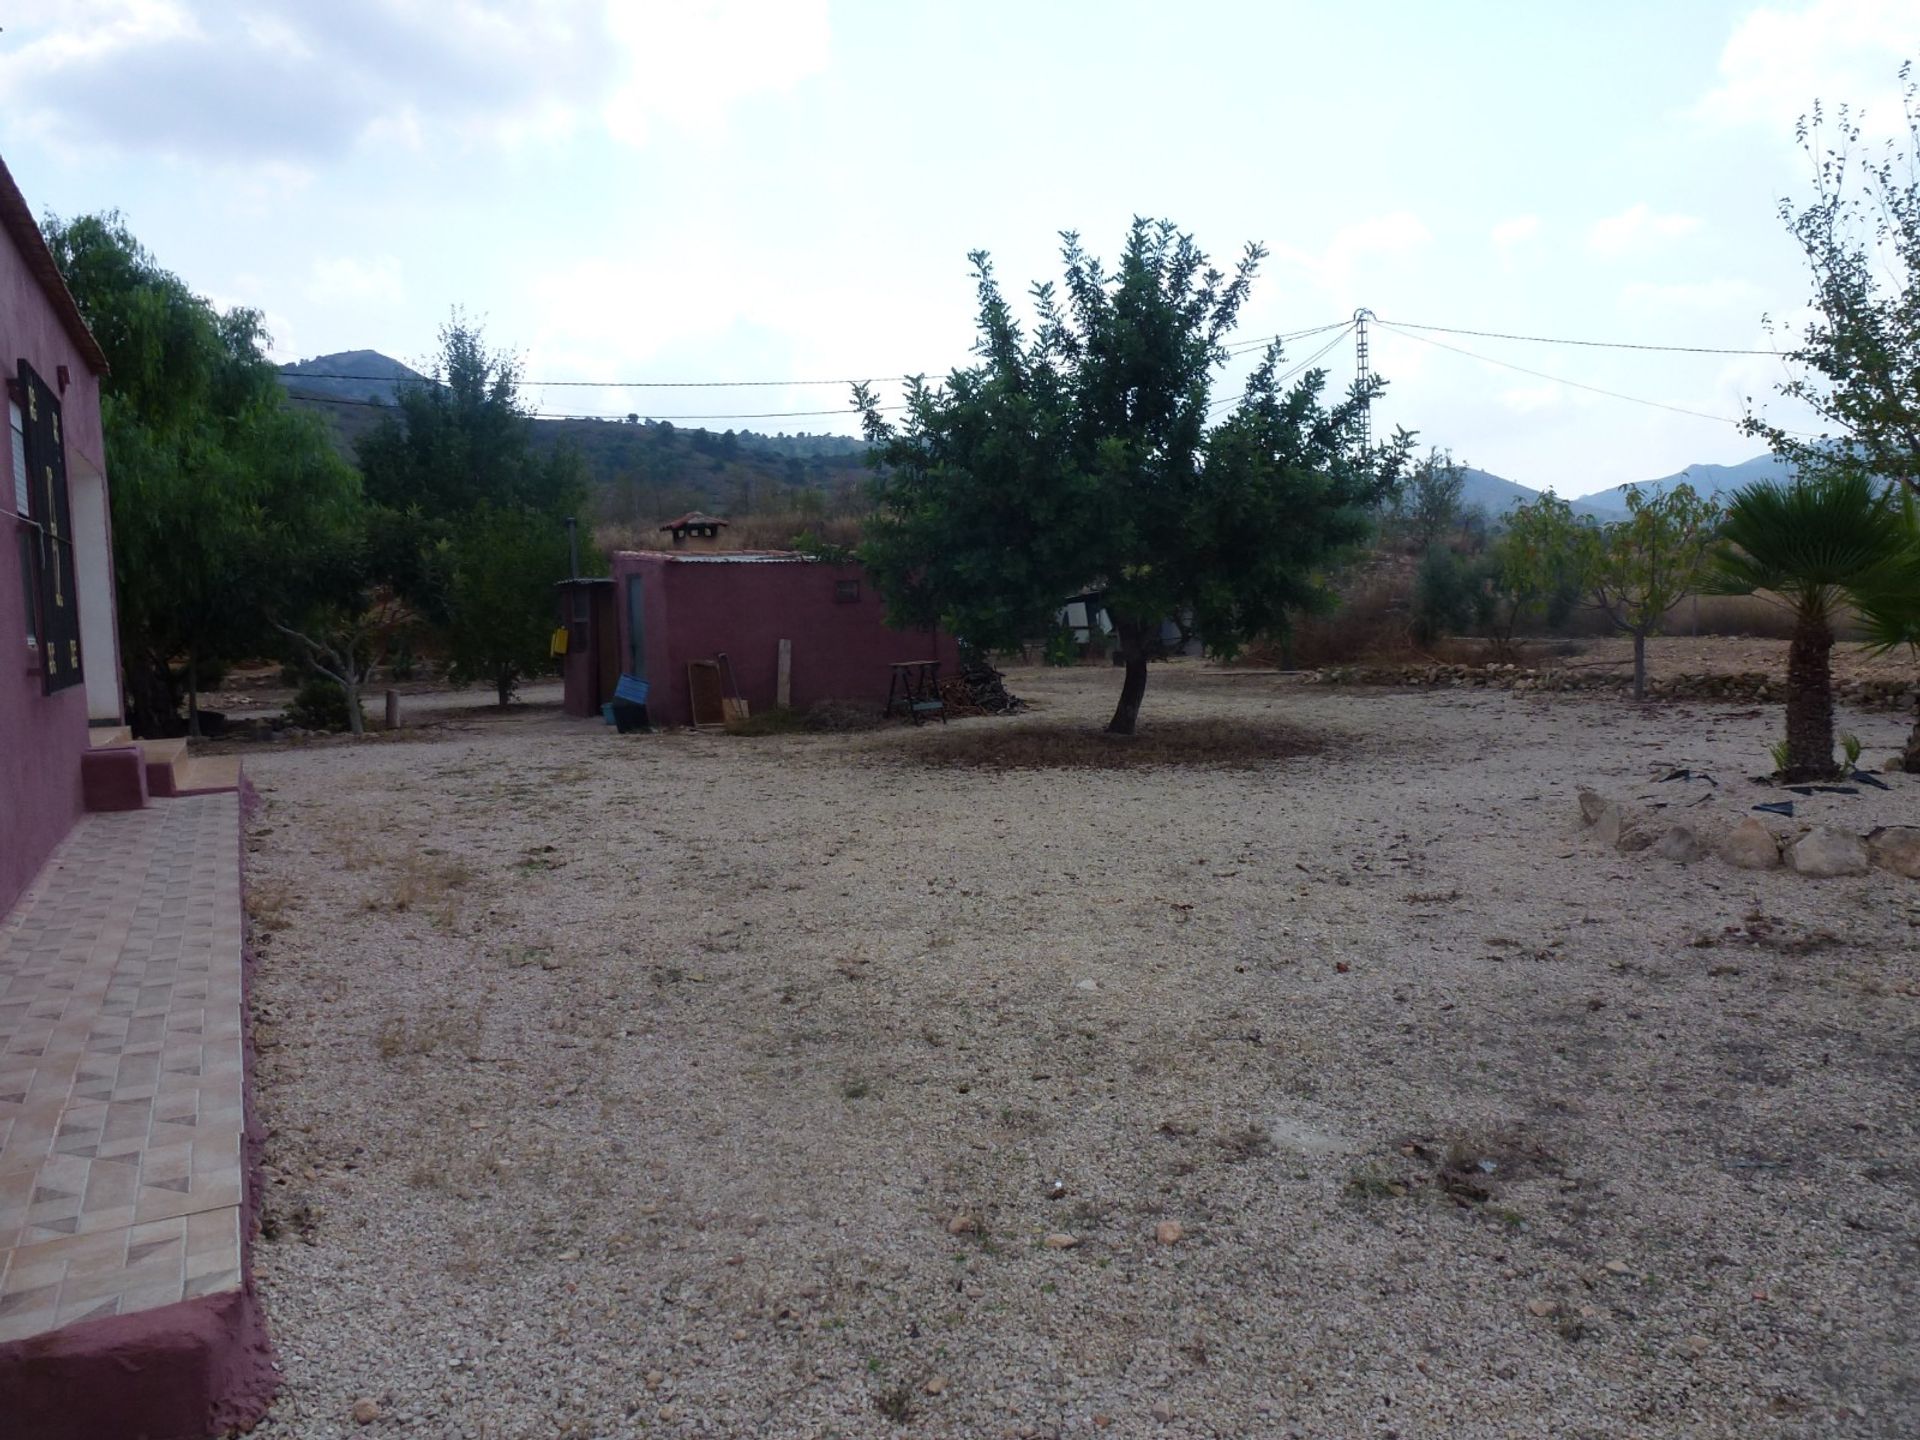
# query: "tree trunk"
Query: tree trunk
{"points": [[1639, 665], [356, 722], [1810, 701], [193, 695], [150, 698], [503, 686], [1133, 654]]}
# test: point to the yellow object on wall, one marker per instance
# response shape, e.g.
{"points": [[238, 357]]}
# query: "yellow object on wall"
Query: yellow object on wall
{"points": [[558, 645]]}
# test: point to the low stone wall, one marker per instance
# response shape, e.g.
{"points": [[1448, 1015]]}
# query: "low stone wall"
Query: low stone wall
{"points": [[1745, 686], [1752, 842]]}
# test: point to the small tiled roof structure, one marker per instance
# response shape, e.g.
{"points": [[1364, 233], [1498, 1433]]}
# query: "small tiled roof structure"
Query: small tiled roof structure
{"points": [[694, 520]]}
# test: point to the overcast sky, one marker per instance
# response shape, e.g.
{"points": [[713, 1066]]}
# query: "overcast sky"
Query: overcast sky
{"points": [[788, 189]]}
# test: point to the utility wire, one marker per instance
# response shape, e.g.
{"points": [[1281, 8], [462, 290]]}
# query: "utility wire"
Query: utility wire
{"points": [[1593, 344], [1241, 347], [763, 415], [1557, 379], [598, 384], [1301, 368], [727, 384]]}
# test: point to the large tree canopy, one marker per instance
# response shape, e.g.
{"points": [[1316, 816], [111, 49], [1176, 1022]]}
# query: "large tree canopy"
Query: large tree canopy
{"points": [[468, 521], [1085, 456], [222, 495], [1859, 356]]}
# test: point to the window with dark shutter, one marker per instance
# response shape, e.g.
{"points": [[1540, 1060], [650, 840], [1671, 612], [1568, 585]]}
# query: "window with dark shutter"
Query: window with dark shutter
{"points": [[46, 463]]}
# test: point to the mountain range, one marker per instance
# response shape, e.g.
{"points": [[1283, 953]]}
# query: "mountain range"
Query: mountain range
{"points": [[1496, 495], [352, 387]]}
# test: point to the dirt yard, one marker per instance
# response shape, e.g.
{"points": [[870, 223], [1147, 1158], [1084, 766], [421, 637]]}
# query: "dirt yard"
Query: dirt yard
{"points": [[793, 1086]]}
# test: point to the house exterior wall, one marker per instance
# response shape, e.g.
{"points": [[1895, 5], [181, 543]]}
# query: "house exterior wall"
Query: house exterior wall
{"points": [[696, 609], [42, 737]]}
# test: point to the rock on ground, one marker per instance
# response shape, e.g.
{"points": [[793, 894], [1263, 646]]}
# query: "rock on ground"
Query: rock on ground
{"points": [[1896, 848], [1750, 845], [1824, 852]]}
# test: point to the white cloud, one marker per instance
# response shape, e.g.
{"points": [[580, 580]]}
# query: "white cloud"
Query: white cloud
{"points": [[1513, 232], [209, 80], [1781, 58], [1638, 229], [1376, 239], [687, 62]]}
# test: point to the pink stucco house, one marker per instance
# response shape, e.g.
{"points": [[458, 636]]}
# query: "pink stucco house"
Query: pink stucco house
{"points": [[59, 653]]}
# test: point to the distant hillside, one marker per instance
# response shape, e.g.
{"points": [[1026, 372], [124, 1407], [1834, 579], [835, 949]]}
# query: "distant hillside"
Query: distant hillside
{"points": [[319, 377], [640, 471], [1711, 482], [1497, 495], [1489, 492]]}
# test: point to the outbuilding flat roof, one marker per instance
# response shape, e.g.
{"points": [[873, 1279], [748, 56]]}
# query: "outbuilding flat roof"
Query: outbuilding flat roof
{"points": [[726, 557]]}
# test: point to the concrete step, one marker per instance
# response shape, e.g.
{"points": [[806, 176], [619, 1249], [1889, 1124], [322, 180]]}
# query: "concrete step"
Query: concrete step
{"points": [[163, 758], [207, 774]]}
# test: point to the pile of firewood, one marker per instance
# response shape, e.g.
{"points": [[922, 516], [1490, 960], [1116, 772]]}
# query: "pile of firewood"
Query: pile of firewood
{"points": [[979, 689]]}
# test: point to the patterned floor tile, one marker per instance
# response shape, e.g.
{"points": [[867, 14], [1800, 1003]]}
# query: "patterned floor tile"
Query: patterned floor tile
{"points": [[121, 1074]]}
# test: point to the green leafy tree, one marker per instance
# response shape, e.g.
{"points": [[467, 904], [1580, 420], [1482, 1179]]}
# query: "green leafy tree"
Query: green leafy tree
{"points": [[1081, 456], [1859, 357], [1452, 595], [1428, 507], [1888, 606], [217, 486], [502, 565], [471, 517], [1636, 570], [1814, 544], [1536, 565]]}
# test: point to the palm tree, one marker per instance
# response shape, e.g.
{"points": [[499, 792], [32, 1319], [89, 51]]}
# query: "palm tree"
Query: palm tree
{"points": [[1889, 608], [1815, 544]]}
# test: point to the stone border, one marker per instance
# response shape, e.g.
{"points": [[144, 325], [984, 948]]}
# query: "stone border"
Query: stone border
{"points": [[1743, 687], [1816, 851]]}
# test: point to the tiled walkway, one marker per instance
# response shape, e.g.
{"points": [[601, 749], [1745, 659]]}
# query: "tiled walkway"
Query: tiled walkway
{"points": [[121, 1101]]}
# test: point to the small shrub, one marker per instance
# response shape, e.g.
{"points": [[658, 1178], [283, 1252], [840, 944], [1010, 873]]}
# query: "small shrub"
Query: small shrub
{"points": [[319, 705], [1450, 596]]}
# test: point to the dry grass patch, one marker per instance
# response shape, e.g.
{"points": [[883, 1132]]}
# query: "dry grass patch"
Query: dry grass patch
{"points": [[1221, 744], [420, 881]]}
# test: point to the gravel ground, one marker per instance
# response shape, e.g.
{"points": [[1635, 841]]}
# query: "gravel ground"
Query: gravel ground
{"points": [[698, 1085]]}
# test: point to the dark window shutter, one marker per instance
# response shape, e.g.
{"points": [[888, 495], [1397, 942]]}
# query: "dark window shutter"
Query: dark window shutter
{"points": [[60, 664]]}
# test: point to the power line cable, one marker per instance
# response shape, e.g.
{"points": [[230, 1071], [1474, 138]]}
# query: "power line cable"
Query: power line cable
{"points": [[1558, 379], [1307, 364], [543, 415], [721, 384], [600, 384], [1592, 344], [1241, 347]]}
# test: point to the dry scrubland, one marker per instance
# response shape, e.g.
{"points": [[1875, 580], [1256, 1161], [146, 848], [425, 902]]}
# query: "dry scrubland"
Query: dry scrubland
{"points": [[713, 1086]]}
